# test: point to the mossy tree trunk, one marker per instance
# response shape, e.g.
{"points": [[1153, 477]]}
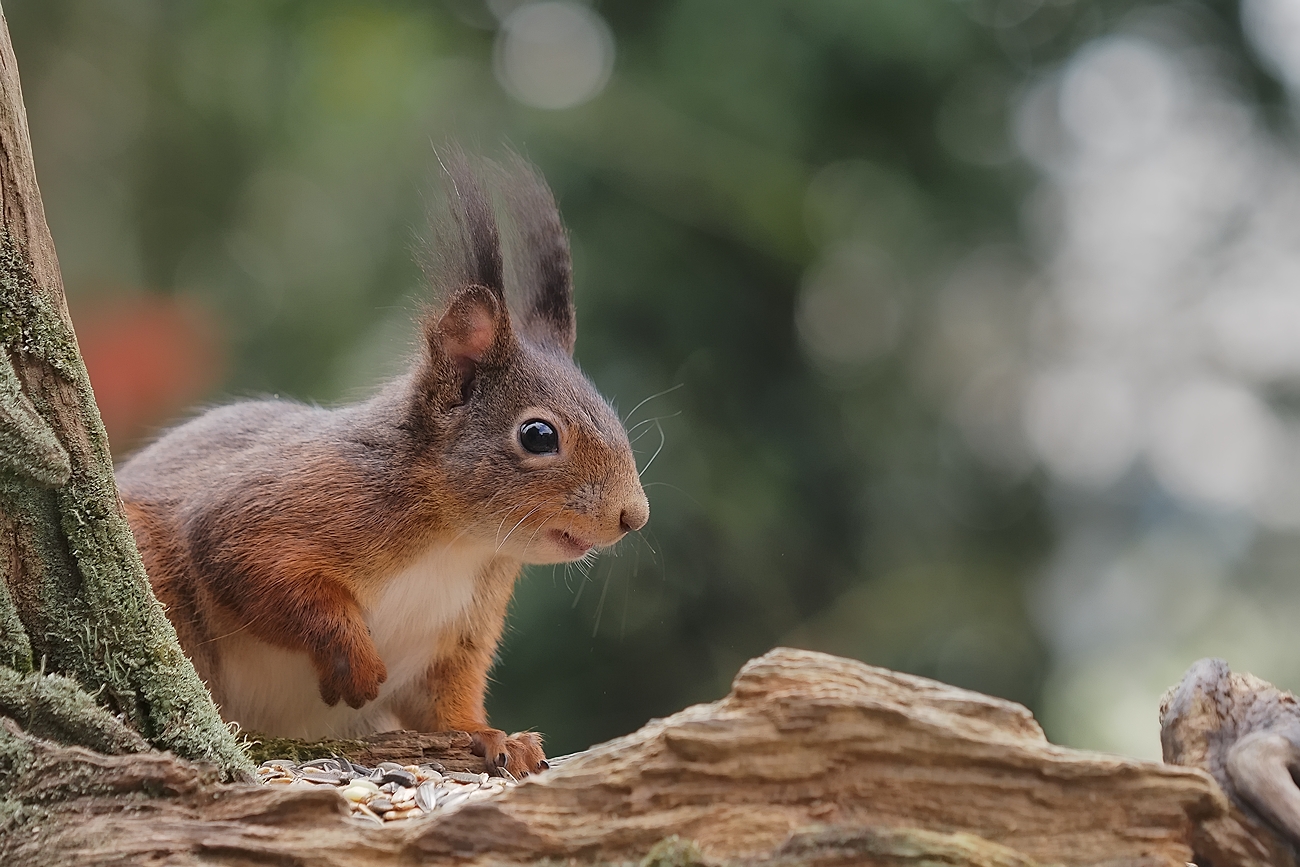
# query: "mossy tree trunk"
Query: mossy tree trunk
{"points": [[87, 656]]}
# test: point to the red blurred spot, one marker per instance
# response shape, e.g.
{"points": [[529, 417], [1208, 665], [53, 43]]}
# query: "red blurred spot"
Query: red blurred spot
{"points": [[149, 357]]}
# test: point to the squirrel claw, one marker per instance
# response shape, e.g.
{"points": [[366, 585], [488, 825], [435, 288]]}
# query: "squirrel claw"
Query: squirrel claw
{"points": [[520, 752]]}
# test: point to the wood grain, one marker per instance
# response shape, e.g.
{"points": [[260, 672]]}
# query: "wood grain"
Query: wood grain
{"points": [[811, 759]]}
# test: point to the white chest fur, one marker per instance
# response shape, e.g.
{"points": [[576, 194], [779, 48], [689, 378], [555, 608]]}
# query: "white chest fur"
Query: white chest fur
{"points": [[275, 691]]}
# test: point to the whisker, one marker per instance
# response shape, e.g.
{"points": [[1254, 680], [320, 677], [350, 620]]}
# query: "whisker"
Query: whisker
{"points": [[627, 595], [582, 585], [676, 488], [516, 526], [637, 438], [633, 410], [600, 606], [662, 439], [644, 541], [646, 421], [544, 520], [539, 526]]}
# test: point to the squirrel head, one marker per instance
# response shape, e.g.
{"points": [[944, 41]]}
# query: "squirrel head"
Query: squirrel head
{"points": [[520, 445]]}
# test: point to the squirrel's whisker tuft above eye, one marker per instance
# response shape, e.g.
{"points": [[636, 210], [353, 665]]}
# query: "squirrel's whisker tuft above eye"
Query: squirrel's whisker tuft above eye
{"points": [[330, 558]]}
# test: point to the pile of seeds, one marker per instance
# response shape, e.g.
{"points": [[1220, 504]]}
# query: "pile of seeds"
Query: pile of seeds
{"points": [[388, 791]]}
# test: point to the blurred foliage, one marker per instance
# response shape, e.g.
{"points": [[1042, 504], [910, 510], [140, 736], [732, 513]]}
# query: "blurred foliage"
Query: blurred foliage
{"points": [[265, 159]]}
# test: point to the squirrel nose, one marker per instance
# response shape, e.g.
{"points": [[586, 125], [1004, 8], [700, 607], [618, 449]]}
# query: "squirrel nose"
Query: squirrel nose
{"points": [[634, 517]]}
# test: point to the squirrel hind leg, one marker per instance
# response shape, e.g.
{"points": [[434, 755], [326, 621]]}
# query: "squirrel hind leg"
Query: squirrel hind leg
{"points": [[167, 567]]}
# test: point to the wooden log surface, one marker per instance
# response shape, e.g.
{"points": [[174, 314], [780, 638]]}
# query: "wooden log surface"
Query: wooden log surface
{"points": [[810, 759], [450, 749]]}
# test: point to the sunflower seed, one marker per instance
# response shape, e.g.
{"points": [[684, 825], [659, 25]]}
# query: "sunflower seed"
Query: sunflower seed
{"points": [[401, 814], [454, 800], [400, 776], [368, 785], [363, 812], [322, 765], [388, 792], [427, 797], [357, 794]]}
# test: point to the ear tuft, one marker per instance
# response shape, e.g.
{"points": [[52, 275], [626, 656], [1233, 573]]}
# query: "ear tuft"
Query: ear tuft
{"points": [[463, 246], [542, 265]]}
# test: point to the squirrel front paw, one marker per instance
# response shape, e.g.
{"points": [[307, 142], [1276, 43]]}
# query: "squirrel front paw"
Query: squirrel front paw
{"points": [[352, 674], [520, 753]]}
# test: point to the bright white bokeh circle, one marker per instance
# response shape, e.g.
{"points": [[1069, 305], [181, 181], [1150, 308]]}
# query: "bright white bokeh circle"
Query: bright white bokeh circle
{"points": [[1212, 442], [554, 54]]}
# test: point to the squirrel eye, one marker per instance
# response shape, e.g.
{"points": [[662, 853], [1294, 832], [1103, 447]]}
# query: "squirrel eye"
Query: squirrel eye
{"points": [[539, 437]]}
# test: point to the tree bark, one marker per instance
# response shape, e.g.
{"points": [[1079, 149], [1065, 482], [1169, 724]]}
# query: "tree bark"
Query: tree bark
{"points": [[75, 604]]}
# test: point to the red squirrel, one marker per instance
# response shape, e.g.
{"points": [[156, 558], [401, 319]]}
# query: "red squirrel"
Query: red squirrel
{"points": [[335, 572]]}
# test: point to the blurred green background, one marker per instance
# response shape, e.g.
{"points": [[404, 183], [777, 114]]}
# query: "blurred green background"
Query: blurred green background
{"points": [[819, 230]]}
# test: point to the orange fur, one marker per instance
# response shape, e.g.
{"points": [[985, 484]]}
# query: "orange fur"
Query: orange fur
{"points": [[397, 526]]}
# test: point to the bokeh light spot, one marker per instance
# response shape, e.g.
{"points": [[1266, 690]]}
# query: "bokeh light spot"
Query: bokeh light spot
{"points": [[1273, 26], [1211, 441], [848, 312], [554, 54], [1117, 96], [1083, 423]]}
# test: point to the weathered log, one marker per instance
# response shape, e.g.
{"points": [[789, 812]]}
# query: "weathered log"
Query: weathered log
{"points": [[810, 759], [806, 739], [450, 749], [1246, 733]]}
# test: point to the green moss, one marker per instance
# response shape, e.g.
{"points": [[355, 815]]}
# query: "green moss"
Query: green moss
{"points": [[27, 444], [261, 748], [900, 847], [15, 647], [16, 759], [85, 602], [57, 709], [674, 852]]}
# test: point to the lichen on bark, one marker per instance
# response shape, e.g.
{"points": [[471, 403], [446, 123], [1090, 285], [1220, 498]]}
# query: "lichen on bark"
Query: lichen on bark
{"points": [[56, 708], [75, 582]]}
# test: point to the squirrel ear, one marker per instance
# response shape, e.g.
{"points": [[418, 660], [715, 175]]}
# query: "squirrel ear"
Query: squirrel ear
{"points": [[542, 266], [473, 331]]}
